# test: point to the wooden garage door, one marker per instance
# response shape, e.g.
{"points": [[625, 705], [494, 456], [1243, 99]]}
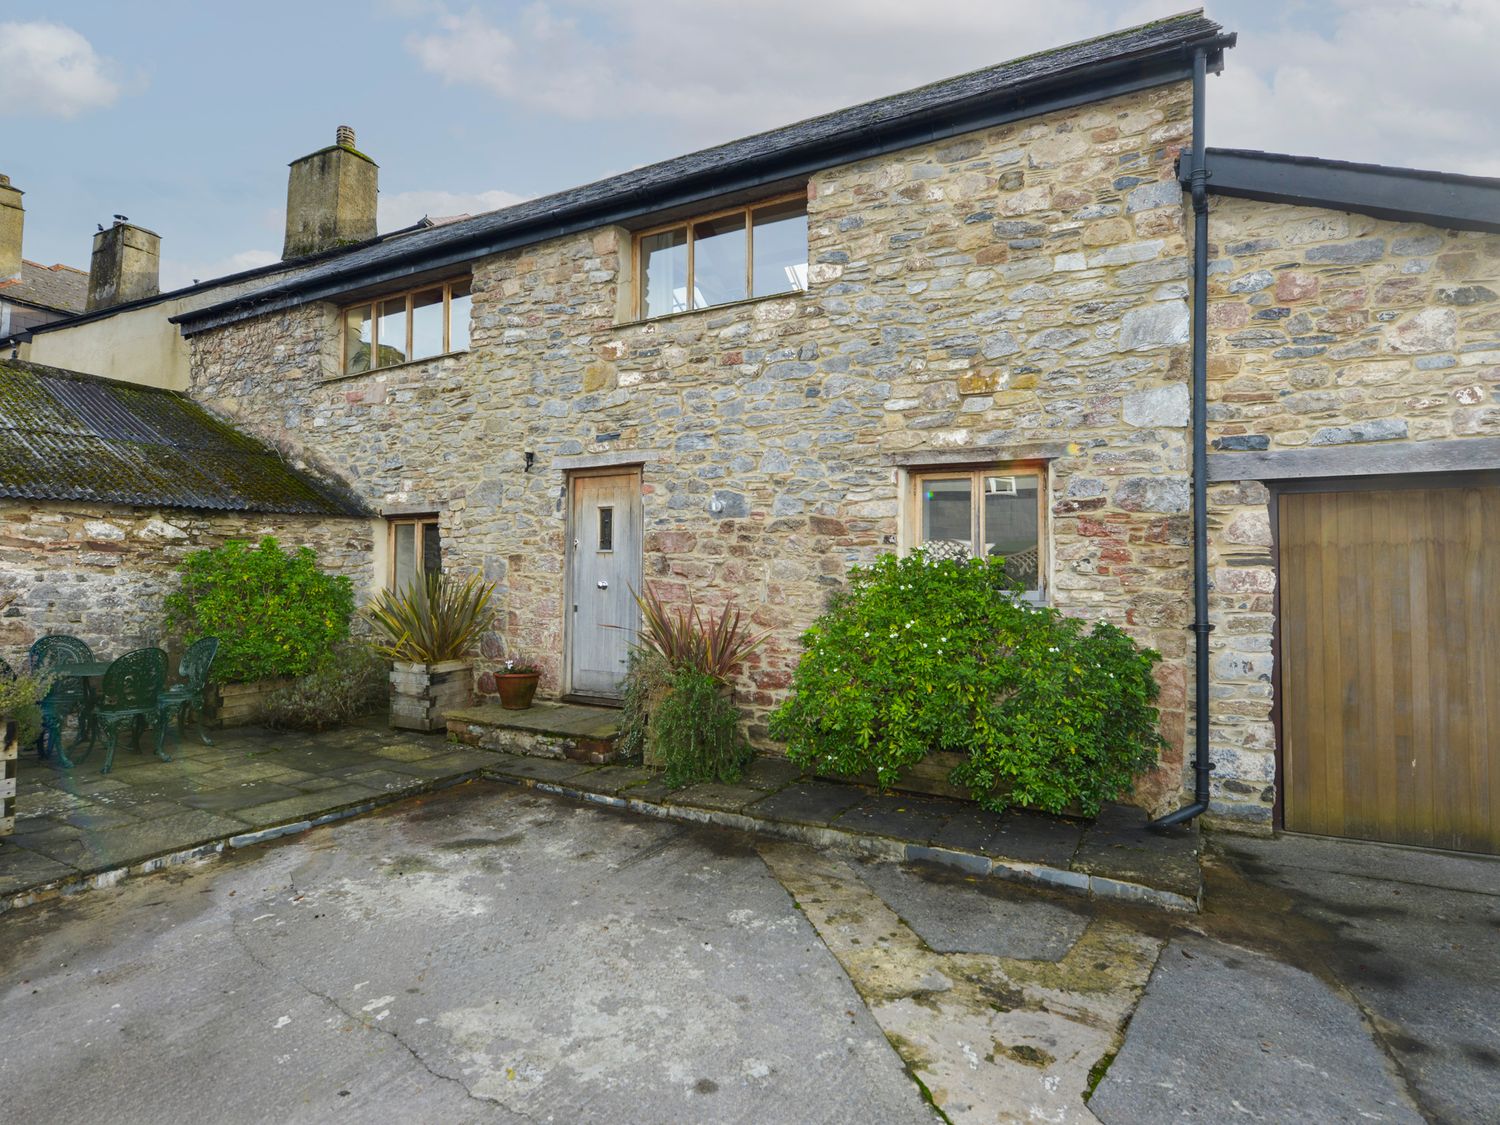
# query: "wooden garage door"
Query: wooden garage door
{"points": [[1390, 648]]}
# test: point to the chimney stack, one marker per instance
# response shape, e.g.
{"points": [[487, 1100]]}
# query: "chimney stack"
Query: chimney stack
{"points": [[126, 265], [330, 198], [12, 217]]}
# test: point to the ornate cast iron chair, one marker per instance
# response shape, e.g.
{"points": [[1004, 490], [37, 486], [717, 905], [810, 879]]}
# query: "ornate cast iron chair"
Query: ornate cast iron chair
{"points": [[179, 699], [132, 694], [68, 695]]}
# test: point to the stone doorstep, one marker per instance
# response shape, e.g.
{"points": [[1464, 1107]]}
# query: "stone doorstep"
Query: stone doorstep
{"points": [[720, 807], [574, 731], [78, 880]]}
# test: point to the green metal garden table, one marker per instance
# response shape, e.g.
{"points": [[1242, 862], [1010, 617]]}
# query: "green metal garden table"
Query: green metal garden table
{"points": [[87, 671]]}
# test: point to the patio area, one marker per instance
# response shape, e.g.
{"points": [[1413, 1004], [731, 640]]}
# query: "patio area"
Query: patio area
{"points": [[79, 828]]}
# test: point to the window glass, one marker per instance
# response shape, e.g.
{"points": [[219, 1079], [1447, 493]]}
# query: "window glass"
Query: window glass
{"points": [[426, 323], [405, 554], [719, 261], [458, 317], [392, 333], [947, 515], [664, 272], [780, 240], [432, 549], [357, 339], [1010, 525], [606, 529]]}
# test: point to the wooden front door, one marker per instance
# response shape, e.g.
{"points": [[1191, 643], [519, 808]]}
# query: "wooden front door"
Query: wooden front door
{"points": [[1390, 650], [604, 570]]}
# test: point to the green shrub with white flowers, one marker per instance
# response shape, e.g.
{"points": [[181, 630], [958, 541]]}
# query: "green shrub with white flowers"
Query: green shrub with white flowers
{"points": [[918, 655]]}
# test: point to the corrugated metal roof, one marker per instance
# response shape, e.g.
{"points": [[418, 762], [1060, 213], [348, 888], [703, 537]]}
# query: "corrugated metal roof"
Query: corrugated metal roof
{"points": [[69, 436]]}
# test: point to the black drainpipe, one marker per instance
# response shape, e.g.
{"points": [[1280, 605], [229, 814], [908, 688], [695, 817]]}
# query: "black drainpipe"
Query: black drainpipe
{"points": [[1201, 627]]}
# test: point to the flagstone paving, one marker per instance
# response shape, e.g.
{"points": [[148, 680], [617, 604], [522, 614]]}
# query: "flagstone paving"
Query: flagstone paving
{"points": [[77, 826]]}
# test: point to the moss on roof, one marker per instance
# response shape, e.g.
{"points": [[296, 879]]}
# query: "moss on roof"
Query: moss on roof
{"points": [[70, 436]]}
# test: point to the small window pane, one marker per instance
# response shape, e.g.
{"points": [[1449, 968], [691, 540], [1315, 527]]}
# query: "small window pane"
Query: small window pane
{"points": [[432, 550], [606, 529], [664, 272], [781, 248], [1010, 526], [947, 517], [426, 323], [392, 329], [357, 339], [406, 554], [458, 317], [719, 261]]}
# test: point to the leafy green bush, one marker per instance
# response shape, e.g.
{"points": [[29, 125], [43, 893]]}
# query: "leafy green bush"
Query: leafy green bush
{"points": [[647, 679], [274, 612], [347, 684], [695, 732], [18, 700], [917, 656]]}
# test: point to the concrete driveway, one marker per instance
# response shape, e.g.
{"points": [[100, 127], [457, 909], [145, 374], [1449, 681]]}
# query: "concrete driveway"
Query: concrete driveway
{"points": [[493, 954]]}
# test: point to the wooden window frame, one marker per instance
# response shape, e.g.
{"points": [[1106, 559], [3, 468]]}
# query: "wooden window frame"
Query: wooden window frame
{"points": [[912, 509], [374, 303], [417, 524], [638, 271]]}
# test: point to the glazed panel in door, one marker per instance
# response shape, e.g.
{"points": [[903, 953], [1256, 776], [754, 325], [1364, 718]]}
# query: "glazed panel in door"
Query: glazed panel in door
{"points": [[1390, 681], [605, 567]]}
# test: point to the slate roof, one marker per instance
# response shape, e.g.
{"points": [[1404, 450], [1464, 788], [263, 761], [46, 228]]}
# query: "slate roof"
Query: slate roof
{"points": [[1403, 195], [60, 288], [1133, 59], [68, 436]]}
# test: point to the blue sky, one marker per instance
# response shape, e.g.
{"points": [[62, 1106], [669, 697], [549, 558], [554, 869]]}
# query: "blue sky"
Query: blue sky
{"points": [[183, 115]]}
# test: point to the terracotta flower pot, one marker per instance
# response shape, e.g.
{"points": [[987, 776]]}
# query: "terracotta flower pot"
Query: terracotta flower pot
{"points": [[516, 689]]}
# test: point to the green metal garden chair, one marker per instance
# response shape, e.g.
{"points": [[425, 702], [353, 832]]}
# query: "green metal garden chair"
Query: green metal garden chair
{"points": [[68, 695], [132, 694], [187, 696]]}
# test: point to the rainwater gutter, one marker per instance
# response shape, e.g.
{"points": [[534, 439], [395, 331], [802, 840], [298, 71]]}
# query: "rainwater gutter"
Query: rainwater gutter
{"points": [[1201, 626]]}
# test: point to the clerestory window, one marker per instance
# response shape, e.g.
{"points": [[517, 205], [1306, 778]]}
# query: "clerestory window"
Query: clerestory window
{"points": [[416, 324], [759, 250]]}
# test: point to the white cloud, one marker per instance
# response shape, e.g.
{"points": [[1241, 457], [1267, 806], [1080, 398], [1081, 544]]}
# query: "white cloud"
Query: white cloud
{"points": [[725, 70], [51, 70], [400, 209], [1406, 82], [176, 274]]}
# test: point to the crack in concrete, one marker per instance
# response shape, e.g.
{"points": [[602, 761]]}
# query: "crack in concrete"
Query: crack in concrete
{"points": [[359, 1018]]}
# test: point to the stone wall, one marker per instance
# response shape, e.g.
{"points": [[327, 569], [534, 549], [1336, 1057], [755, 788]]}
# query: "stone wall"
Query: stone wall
{"points": [[1327, 329], [101, 573], [1017, 293]]}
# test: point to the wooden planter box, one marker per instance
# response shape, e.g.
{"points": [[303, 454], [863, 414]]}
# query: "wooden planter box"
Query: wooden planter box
{"points": [[9, 750], [929, 777], [423, 694], [236, 705]]}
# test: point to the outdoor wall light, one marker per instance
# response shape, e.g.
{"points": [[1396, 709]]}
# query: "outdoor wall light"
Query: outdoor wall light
{"points": [[530, 461]]}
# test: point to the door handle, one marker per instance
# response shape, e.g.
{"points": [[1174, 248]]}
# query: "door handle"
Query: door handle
{"points": [[603, 585]]}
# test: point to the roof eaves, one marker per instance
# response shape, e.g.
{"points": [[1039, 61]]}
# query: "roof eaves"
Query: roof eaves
{"points": [[1408, 195], [764, 159]]}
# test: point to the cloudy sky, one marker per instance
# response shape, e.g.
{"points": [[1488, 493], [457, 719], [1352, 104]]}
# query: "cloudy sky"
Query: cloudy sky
{"points": [[183, 115]]}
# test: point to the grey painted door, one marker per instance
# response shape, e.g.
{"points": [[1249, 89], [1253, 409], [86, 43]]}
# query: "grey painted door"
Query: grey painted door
{"points": [[604, 570]]}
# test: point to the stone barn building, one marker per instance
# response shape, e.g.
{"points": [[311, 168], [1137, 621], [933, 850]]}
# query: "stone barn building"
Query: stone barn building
{"points": [[1025, 311]]}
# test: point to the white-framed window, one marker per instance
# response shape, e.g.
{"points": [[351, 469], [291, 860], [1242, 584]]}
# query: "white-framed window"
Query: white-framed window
{"points": [[399, 327], [755, 250], [995, 511], [416, 550]]}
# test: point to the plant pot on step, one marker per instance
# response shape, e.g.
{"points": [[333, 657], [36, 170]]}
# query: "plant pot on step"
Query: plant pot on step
{"points": [[517, 689]]}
